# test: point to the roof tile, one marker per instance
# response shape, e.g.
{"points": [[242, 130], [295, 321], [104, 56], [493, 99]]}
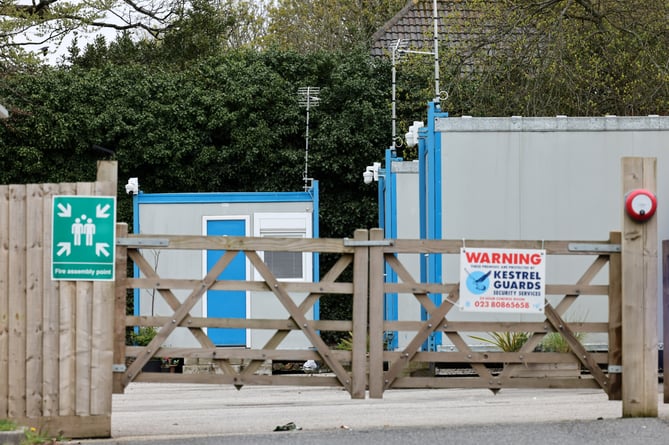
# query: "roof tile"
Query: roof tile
{"points": [[414, 23]]}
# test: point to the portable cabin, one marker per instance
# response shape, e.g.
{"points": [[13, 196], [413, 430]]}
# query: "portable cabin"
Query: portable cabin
{"points": [[516, 178], [256, 214]]}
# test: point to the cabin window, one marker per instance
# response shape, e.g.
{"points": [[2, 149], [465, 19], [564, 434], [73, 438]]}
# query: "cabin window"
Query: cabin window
{"points": [[286, 266]]}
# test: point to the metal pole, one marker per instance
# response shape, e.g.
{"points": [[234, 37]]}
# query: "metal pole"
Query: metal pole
{"points": [[308, 98], [437, 94], [394, 109], [306, 145]]}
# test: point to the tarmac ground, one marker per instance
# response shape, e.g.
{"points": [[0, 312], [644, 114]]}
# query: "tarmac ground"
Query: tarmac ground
{"points": [[187, 413]]}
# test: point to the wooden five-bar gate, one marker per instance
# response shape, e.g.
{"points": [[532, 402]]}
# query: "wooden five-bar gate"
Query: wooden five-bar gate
{"points": [[372, 367], [63, 347]]}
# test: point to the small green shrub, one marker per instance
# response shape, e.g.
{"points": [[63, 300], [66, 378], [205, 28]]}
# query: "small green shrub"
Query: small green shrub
{"points": [[7, 425], [142, 336], [346, 343], [35, 437], [555, 342], [506, 341], [32, 436]]}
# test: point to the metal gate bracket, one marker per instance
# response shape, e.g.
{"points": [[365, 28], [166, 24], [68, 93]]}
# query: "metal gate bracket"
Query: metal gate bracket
{"points": [[581, 247], [143, 242], [615, 369], [118, 368], [372, 243]]}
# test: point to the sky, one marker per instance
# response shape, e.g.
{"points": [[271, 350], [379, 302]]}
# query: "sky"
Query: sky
{"points": [[53, 51]]}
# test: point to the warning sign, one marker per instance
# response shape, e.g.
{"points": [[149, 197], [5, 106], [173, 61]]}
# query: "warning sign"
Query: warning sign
{"points": [[502, 280]]}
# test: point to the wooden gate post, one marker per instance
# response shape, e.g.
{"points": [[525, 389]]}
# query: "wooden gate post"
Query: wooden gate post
{"points": [[615, 318], [120, 296], [376, 280], [360, 316], [102, 321], [640, 296]]}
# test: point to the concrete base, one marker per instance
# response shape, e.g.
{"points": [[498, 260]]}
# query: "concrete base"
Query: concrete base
{"points": [[12, 437]]}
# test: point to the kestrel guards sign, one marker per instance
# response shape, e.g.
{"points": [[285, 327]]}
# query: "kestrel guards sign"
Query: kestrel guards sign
{"points": [[502, 280], [83, 238]]}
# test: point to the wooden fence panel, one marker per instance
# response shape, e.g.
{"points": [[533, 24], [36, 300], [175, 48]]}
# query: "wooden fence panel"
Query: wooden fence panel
{"points": [[54, 374], [34, 280], [102, 341], [17, 303], [51, 308], [67, 334], [83, 326], [4, 302]]}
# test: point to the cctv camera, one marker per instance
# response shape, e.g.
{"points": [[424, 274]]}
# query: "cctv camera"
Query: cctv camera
{"points": [[132, 187], [368, 176]]}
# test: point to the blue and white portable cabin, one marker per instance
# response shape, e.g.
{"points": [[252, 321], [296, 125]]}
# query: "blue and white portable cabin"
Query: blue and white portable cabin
{"points": [[552, 178], [256, 214]]}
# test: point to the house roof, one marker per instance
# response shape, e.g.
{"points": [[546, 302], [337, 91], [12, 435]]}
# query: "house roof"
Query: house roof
{"points": [[414, 23]]}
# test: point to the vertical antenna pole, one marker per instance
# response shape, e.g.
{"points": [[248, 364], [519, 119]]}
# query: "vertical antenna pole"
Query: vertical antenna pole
{"points": [[397, 48], [394, 86], [435, 14], [305, 176], [308, 97]]}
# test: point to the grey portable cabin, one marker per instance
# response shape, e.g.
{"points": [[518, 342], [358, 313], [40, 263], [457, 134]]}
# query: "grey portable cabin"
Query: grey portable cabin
{"points": [[516, 178], [257, 214]]}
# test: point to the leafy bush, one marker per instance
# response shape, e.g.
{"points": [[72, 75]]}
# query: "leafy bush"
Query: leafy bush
{"points": [[555, 342], [506, 341], [142, 336], [7, 425]]}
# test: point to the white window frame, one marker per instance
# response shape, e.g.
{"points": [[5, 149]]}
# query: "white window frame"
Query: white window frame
{"points": [[286, 225]]}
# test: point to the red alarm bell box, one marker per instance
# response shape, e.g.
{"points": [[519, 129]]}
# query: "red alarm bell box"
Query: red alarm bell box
{"points": [[640, 204]]}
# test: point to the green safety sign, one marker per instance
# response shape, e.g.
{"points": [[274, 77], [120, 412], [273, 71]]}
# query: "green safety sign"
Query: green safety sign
{"points": [[83, 238]]}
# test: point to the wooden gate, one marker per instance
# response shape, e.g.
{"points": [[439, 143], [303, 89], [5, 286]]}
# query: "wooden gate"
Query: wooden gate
{"points": [[372, 367], [243, 366], [55, 336], [495, 369]]}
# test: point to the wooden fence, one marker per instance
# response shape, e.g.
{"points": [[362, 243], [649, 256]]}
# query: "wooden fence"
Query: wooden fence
{"points": [[55, 336]]}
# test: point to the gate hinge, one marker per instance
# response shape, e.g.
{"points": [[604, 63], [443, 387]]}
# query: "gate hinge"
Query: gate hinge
{"points": [[118, 368], [367, 243], [615, 369]]}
